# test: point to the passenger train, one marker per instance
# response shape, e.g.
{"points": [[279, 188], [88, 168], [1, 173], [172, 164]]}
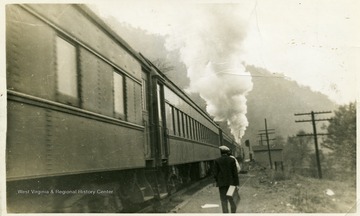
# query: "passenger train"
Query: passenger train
{"points": [[93, 125]]}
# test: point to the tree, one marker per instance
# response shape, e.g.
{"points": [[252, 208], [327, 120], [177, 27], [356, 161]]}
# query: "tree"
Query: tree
{"points": [[342, 136], [280, 141], [163, 65], [297, 152]]}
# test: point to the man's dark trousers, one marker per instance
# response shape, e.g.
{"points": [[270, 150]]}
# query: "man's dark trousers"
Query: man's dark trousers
{"points": [[225, 174], [224, 199]]}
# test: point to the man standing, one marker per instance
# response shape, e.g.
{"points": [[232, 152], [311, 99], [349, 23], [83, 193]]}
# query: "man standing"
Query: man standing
{"points": [[225, 173]]}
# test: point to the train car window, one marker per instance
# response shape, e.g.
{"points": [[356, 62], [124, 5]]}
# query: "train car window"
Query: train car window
{"points": [[215, 138], [202, 133], [176, 122], [199, 131], [190, 128], [158, 90], [196, 130], [119, 105], [181, 129], [185, 125], [212, 137], [173, 119], [172, 97], [169, 118], [206, 135], [143, 94], [67, 83]]}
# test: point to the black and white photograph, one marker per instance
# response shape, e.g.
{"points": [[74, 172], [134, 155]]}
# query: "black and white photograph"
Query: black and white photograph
{"points": [[179, 106]]}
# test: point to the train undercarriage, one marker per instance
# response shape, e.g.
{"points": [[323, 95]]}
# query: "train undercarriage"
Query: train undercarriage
{"points": [[123, 191]]}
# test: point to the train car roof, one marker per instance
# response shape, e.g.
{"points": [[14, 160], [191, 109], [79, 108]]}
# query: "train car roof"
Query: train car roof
{"points": [[100, 22]]}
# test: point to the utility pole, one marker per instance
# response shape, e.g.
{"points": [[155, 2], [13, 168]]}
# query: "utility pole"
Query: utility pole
{"points": [[267, 132], [263, 140], [313, 120], [270, 131]]}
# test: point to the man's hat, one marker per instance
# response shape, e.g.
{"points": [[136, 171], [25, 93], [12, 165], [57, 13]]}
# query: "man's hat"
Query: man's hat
{"points": [[224, 149]]}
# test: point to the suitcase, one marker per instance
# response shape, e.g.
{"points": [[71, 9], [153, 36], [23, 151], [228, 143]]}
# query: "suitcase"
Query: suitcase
{"points": [[233, 193]]}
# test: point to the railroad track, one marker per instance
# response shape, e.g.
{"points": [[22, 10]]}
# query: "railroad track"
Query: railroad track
{"points": [[167, 204], [244, 180], [182, 197]]}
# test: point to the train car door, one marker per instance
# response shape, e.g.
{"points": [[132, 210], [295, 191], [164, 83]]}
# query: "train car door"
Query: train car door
{"points": [[162, 141], [146, 115]]}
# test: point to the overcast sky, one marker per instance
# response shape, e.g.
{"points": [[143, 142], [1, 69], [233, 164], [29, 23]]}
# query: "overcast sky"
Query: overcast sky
{"points": [[316, 43]]}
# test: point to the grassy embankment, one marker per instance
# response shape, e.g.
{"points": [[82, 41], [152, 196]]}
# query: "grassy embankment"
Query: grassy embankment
{"points": [[276, 192]]}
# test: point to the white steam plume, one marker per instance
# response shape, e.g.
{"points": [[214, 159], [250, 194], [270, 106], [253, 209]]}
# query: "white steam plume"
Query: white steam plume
{"points": [[210, 47]]}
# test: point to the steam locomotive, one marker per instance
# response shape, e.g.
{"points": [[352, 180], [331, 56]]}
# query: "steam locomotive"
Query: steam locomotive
{"points": [[94, 126]]}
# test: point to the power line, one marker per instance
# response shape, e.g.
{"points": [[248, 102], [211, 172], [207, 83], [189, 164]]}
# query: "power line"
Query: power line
{"points": [[315, 134]]}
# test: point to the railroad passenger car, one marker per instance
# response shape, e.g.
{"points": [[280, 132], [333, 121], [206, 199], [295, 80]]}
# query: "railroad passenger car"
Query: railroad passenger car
{"points": [[94, 126]]}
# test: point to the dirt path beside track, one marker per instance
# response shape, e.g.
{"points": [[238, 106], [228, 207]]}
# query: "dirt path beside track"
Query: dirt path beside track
{"points": [[260, 195]]}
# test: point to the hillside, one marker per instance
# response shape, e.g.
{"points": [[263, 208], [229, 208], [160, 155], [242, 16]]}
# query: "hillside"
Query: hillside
{"points": [[273, 98], [277, 100]]}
